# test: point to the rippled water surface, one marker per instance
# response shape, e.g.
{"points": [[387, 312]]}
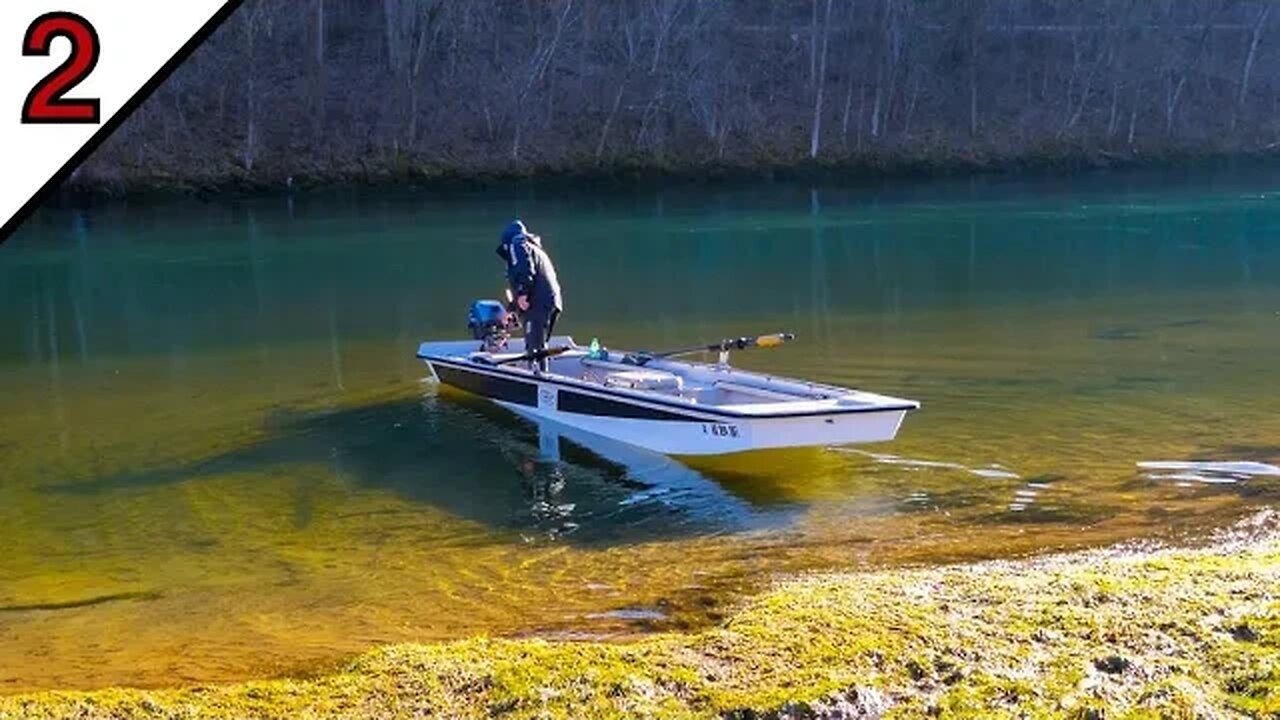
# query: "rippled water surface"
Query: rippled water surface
{"points": [[218, 458]]}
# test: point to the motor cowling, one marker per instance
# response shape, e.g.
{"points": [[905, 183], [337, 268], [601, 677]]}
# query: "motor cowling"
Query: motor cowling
{"points": [[490, 322]]}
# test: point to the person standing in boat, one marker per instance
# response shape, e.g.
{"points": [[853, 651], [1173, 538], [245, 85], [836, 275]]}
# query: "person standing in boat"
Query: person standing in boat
{"points": [[533, 281]]}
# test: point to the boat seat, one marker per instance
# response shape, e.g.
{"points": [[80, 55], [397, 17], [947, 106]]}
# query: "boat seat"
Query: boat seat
{"points": [[634, 378]]}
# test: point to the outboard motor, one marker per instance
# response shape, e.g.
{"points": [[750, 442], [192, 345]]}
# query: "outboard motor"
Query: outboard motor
{"points": [[491, 323]]}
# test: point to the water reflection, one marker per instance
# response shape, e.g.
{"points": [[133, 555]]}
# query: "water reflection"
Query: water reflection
{"points": [[476, 461], [994, 470], [1208, 472]]}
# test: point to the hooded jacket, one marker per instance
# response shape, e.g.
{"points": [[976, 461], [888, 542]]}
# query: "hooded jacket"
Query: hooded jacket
{"points": [[530, 270]]}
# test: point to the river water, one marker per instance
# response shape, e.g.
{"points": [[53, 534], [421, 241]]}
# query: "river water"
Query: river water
{"points": [[219, 459]]}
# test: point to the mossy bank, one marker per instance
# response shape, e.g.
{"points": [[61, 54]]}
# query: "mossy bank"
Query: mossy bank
{"points": [[1123, 632]]}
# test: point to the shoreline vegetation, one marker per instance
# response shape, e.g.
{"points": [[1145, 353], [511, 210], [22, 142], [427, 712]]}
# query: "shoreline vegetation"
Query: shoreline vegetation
{"points": [[1130, 631], [423, 174], [341, 91]]}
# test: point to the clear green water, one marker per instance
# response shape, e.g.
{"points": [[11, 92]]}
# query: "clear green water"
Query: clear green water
{"points": [[218, 459]]}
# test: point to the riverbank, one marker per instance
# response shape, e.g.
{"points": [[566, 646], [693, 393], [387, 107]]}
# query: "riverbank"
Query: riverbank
{"points": [[96, 182], [330, 92], [1122, 632]]}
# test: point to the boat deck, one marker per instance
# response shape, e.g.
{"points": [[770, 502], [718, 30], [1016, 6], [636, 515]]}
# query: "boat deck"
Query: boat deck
{"points": [[676, 381]]}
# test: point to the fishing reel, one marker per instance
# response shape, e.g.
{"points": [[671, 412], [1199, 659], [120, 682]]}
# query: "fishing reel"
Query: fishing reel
{"points": [[491, 323]]}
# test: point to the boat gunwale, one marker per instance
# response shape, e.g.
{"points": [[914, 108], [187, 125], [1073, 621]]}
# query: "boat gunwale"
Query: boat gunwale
{"points": [[632, 396]]}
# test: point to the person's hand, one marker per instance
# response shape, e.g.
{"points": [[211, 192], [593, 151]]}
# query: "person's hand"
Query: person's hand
{"points": [[522, 302]]}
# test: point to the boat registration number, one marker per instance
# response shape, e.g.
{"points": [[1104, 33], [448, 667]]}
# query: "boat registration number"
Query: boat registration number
{"points": [[719, 430], [548, 398]]}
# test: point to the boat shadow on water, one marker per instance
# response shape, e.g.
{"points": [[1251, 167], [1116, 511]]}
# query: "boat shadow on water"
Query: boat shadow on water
{"points": [[462, 455]]}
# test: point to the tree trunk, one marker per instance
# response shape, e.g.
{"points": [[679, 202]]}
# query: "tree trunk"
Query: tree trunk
{"points": [[882, 71], [1115, 99], [604, 132], [251, 100], [320, 86], [424, 40], [1248, 63], [975, 27], [813, 43], [844, 118], [822, 84], [911, 105], [875, 114], [973, 99], [666, 18], [862, 102], [1173, 93], [1133, 114], [320, 32], [390, 20]]}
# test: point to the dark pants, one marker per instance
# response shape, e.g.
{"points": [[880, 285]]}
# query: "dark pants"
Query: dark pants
{"points": [[538, 326]]}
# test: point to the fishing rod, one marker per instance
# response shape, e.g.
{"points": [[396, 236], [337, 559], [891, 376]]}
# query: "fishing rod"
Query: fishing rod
{"points": [[723, 347]]}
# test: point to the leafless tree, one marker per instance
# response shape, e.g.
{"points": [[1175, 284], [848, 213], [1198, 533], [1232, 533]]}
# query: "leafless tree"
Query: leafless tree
{"points": [[346, 89]]}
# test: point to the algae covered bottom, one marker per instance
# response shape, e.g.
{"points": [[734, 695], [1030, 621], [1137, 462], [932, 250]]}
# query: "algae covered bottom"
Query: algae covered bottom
{"points": [[218, 460], [1116, 633]]}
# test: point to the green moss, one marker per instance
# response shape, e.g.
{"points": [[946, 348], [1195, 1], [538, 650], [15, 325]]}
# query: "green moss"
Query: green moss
{"points": [[1172, 634], [1250, 664]]}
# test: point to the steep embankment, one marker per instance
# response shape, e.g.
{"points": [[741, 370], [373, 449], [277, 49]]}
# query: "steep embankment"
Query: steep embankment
{"points": [[423, 90]]}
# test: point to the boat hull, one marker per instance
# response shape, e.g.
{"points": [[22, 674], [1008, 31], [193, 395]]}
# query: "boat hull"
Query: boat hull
{"points": [[721, 437], [663, 427]]}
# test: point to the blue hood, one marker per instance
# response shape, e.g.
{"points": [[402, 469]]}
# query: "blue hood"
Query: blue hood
{"points": [[513, 230]]}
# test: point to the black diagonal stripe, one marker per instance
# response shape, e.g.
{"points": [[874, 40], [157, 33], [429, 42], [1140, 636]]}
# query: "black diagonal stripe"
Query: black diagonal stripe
{"points": [[110, 126], [585, 404], [490, 386]]}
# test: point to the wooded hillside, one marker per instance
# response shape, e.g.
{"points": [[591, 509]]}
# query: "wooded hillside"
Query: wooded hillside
{"points": [[351, 89]]}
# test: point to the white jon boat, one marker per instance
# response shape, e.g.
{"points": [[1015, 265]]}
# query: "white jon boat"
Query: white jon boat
{"points": [[656, 402]]}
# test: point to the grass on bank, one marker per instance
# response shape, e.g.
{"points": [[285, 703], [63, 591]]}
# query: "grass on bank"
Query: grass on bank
{"points": [[1169, 633]]}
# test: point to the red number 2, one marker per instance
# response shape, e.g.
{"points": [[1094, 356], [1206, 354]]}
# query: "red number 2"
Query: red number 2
{"points": [[45, 103]]}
